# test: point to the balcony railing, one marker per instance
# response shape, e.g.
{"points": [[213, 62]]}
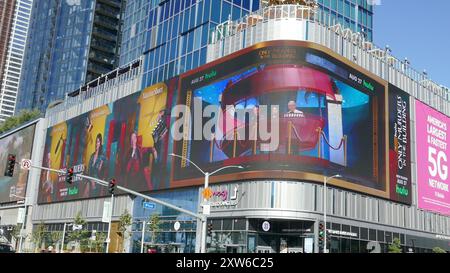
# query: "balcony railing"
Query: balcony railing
{"points": [[103, 90]]}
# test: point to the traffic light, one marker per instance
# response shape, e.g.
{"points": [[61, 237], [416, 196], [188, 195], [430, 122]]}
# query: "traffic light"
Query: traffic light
{"points": [[69, 175], [321, 236], [9, 170], [112, 186], [210, 229]]}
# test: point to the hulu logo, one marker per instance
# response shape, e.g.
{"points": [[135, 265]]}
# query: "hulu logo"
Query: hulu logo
{"points": [[210, 75], [368, 85], [401, 190], [73, 191]]}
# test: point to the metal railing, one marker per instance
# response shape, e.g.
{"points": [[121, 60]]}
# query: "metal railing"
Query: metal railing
{"points": [[100, 91]]}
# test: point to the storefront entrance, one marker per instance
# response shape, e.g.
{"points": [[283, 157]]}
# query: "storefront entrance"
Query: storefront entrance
{"points": [[281, 236]]}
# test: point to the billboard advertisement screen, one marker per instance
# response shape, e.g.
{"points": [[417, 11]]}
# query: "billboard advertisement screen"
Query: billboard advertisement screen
{"points": [[324, 117], [126, 140], [399, 145], [432, 159], [19, 143], [280, 110]]}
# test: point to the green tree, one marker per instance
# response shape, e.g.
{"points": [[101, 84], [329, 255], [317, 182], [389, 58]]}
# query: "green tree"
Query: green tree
{"points": [[56, 237], [395, 247], [154, 226], [38, 235], [99, 242], [19, 119], [125, 221], [438, 250], [80, 236], [15, 233]]}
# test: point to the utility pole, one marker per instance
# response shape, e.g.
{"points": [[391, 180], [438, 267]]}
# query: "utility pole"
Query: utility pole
{"points": [[108, 238]]}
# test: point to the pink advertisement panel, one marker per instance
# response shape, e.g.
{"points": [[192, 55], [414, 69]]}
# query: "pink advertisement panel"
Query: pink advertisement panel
{"points": [[432, 129]]}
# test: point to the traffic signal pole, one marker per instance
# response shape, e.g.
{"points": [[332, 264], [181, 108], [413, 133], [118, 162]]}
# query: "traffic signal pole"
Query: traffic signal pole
{"points": [[135, 193], [105, 184], [108, 238]]}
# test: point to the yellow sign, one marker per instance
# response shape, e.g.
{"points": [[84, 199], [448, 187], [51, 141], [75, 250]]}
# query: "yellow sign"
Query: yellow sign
{"points": [[207, 193], [152, 100]]}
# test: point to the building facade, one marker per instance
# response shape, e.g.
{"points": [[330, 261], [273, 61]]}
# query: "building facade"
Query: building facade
{"points": [[18, 193], [14, 23], [173, 35], [335, 94], [70, 44]]}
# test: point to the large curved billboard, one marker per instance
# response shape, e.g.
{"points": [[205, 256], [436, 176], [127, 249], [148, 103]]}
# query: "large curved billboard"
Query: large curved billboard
{"points": [[280, 110], [329, 119]]}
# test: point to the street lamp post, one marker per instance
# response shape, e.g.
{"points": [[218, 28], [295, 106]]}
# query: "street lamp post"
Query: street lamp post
{"points": [[325, 181], [108, 239], [143, 236], [61, 249], [206, 185]]}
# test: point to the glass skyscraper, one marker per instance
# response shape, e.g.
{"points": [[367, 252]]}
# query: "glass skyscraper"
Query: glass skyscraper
{"points": [[173, 34], [71, 42], [74, 41], [356, 15], [14, 22]]}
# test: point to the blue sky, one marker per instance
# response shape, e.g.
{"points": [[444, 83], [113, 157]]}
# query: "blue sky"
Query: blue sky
{"points": [[419, 30]]}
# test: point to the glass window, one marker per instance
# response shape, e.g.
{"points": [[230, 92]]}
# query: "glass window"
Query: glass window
{"points": [[207, 8], [355, 230], [215, 11], [388, 236], [192, 19], [227, 224], [372, 235], [197, 38], [363, 246], [216, 224], [256, 5], [246, 4], [236, 13], [240, 224], [364, 233], [226, 11], [355, 246], [380, 235], [199, 14]]}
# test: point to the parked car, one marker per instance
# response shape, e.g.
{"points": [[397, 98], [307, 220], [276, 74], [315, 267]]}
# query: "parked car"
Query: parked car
{"points": [[6, 248]]}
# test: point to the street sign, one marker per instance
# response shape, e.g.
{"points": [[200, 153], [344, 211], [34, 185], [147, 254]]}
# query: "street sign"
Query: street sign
{"points": [[106, 212], [93, 235], [207, 193], [176, 226], [266, 226], [21, 216], [25, 164], [77, 227], [206, 209], [149, 205]]}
